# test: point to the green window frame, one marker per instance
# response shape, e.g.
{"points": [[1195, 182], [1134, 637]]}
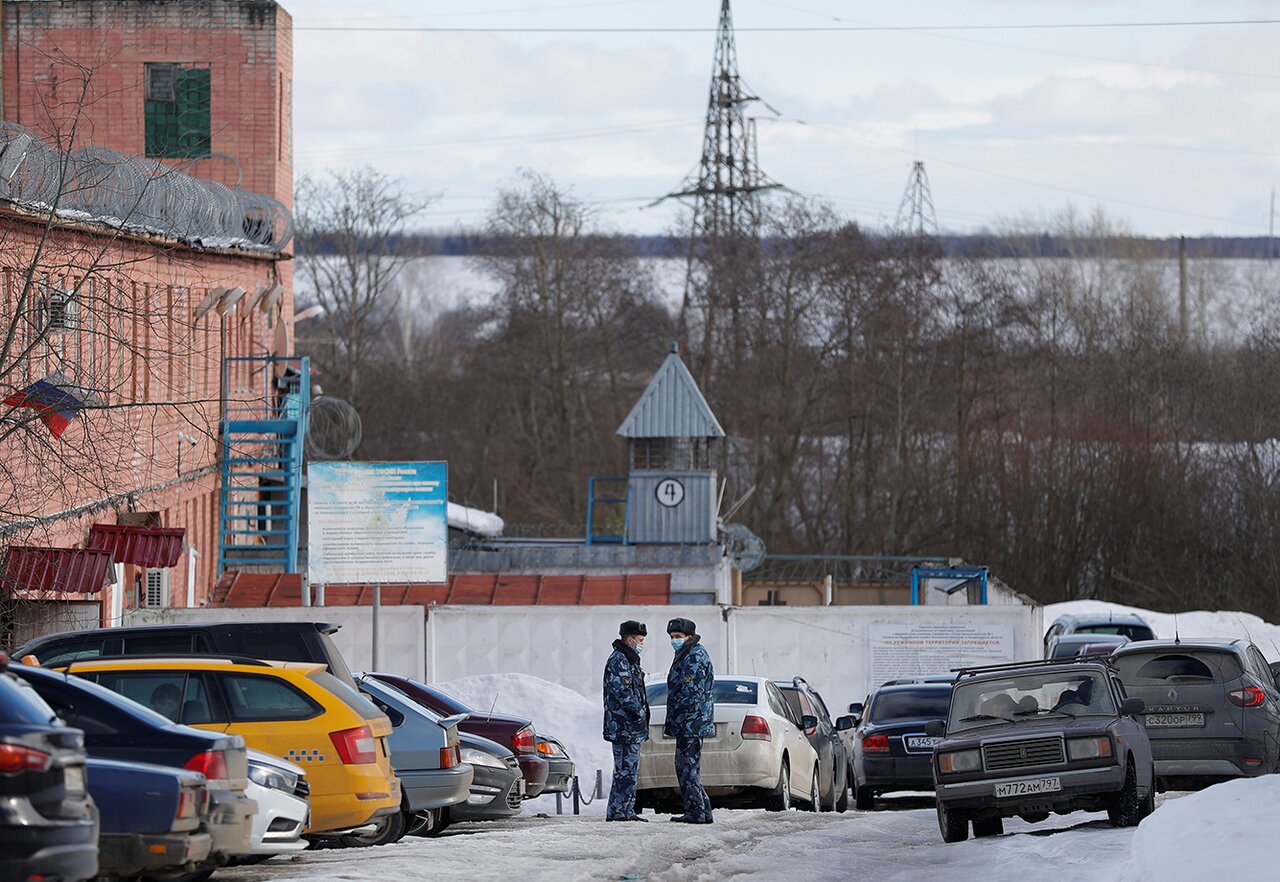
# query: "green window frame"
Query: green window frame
{"points": [[176, 110]]}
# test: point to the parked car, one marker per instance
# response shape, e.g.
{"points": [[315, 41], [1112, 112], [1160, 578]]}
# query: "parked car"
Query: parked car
{"points": [[295, 710], [152, 818], [118, 728], [560, 768], [498, 787], [890, 748], [1122, 624], [1083, 644], [281, 641], [1027, 739], [48, 825], [426, 756], [280, 789], [833, 759], [759, 755], [1212, 708], [515, 733]]}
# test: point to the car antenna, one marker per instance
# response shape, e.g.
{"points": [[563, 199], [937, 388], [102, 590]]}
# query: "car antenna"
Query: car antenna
{"points": [[1177, 638], [495, 704], [1246, 628]]}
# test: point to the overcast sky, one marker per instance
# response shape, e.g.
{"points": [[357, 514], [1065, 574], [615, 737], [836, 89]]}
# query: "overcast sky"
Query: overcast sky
{"points": [[1172, 129]]}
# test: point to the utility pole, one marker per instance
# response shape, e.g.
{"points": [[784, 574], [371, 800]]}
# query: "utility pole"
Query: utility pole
{"points": [[1271, 230], [916, 216], [726, 213], [1182, 290]]}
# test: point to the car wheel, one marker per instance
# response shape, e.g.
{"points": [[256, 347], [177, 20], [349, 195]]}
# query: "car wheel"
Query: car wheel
{"points": [[428, 823], [987, 827], [197, 876], [389, 829], [842, 804], [953, 823], [864, 798], [780, 799], [1126, 809], [814, 802]]}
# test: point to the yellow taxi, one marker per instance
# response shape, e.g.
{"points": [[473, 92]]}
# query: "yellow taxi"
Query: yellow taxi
{"points": [[296, 710]]}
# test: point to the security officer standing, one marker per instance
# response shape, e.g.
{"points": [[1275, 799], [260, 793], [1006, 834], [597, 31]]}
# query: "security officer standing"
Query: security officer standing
{"points": [[690, 716], [626, 718]]}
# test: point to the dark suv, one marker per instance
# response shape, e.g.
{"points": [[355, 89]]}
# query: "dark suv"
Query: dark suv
{"points": [[1031, 738], [48, 826]]}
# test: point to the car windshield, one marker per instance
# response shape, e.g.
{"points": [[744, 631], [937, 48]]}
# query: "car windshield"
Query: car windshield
{"points": [[1027, 696], [913, 704], [723, 692]]}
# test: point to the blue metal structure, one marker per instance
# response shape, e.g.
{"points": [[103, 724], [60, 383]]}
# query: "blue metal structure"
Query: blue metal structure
{"points": [[594, 538], [264, 423], [962, 574]]}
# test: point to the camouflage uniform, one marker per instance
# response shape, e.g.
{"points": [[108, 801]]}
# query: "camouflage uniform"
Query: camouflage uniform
{"points": [[690, 718], [626, 724]]}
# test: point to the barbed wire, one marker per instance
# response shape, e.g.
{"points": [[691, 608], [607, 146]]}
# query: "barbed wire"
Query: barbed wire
{"points": [[134, 193]]}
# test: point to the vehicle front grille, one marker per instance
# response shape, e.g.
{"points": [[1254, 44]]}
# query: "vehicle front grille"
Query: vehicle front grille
{"points": [[511, 762], [513, 797], [303, 790], [1023, 754]]}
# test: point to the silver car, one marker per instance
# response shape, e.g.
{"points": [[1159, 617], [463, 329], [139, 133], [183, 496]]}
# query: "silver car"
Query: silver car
{"points": [[1212, 708]]}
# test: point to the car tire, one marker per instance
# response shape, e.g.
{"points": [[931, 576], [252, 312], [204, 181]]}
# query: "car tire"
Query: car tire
{"points": [[814, 802], [1127, 807], [390, 829], [864, 798], [197, 876], [842, 803], [953, 824], [428, 823], [780, 799], [985, 827]]}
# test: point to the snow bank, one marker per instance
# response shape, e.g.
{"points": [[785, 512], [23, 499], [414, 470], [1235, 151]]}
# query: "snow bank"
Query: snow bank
{"points": [[557, 711], [1188, 624], [1224, 832]]}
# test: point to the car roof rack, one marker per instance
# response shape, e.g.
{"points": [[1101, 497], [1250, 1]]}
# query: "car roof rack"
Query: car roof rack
{"points": [[1104, 661], [193, 656]]}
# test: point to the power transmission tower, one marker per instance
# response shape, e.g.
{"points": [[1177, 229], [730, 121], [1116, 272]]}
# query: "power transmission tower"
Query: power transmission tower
{"points": [[916, 216], [723, 191]]}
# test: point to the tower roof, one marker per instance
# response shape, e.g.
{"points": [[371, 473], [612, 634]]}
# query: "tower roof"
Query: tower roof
{"points": [[672, 406]]}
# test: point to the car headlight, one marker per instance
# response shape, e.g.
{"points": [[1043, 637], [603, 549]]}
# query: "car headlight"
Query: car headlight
{"points": [[480, 758], [959, 761], [1089, 748], [272, 778]]}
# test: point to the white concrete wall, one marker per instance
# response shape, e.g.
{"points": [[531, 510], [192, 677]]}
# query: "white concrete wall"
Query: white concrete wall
{"points": [[400, 630]]}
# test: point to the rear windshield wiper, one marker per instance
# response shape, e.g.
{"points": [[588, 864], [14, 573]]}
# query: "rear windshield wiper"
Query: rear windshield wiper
{"points": [[1043, 710], [976, 717]]}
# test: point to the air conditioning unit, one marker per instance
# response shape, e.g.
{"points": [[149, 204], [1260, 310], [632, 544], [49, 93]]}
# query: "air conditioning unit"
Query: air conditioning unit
{"points": [[157, 587]]}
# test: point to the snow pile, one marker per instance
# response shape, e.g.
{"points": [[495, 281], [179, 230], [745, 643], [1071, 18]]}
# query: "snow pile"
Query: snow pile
{"points": [[1224, 832], [1187, 625], [557, 711]]}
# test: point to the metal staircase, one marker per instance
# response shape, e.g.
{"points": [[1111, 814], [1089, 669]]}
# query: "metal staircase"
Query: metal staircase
{"points": [[263, 430]]}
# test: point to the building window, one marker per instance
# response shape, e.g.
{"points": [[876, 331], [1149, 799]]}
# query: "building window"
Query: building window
{"points": [[63, 310], [177, 111]]}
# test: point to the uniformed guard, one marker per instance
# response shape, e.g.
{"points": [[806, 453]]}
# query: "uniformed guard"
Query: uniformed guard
{"points": [[690, 716], [626, 718]]}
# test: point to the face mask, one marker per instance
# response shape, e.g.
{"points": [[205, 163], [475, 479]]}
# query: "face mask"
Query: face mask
{"points": [[639, 648], [676, 644]]}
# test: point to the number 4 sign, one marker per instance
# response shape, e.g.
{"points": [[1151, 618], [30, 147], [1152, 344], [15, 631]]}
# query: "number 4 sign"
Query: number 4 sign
{"points": [[670, 492]]}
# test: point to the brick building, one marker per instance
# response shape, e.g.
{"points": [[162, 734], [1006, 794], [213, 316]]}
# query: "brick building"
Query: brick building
{"points": [[139, 311]]}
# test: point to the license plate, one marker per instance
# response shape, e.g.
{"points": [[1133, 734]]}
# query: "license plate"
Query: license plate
{"points": [[73, 777], [1174, 720], [1029, 788], [922, 742]]}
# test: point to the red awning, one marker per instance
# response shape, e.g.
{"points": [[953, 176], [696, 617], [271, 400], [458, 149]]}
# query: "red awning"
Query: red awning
{"points": [[143, 546], [73, 570]]}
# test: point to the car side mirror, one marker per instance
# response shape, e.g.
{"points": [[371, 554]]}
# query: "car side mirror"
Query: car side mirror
{"points": [[935, 728], [856, 709], [1131, 707], [809, 723], [846, 722]]}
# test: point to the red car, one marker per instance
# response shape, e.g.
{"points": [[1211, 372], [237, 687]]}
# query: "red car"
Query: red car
{"points": [[515, 733]]}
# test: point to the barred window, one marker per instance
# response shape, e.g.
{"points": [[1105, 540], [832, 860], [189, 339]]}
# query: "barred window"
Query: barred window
{"points": [[176, 110]]}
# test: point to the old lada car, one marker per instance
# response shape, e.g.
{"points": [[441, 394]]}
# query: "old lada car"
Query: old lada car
{"points": [[1032, 738]]}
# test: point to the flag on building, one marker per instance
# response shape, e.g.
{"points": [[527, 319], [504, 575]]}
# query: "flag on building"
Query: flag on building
{"points": [[57, 399]]}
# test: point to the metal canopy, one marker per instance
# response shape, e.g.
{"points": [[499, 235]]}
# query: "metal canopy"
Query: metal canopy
{"points": [[158, 547], [72, 570], [672, 406]]}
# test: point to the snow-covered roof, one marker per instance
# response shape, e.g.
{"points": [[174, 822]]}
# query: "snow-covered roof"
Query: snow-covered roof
{"points": [[672, 406]]}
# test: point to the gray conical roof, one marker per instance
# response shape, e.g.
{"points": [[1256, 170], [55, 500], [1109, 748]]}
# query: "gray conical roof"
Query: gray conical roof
{"points": [[672, 406]]}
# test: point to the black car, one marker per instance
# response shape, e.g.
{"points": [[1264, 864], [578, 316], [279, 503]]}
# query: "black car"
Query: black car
{"points": [[498, 786], [833, 760], [890, 748], [1033, 738], [48, 825]]}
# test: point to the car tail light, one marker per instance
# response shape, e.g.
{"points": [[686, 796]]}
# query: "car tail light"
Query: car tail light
{"points": [[355, 746], [187, 800], [1249, 696], [525, 741], [546, 748], [875, 743], [755, 728], [14, 758], [450, 757], [212, 764]]}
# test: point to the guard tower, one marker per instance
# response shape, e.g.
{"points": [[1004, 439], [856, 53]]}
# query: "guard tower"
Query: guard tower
{"points": [[675, 447]]}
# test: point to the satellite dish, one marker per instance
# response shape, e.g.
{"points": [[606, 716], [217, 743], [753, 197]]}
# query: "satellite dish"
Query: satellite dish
{"points": [[746, 547], [333, 429]]}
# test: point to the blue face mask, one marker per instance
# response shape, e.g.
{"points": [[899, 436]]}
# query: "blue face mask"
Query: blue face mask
{"points": [[639, 648], [676, 643]]}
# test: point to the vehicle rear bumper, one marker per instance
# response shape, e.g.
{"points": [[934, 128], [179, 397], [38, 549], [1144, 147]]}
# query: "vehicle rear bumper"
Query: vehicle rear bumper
{"points": [[1077, 784], [57, 850], [559, 776], [895, 772], [535, 770], [129, 854], [751, 764], [435, 788], [1208, 757], [230, 824]]}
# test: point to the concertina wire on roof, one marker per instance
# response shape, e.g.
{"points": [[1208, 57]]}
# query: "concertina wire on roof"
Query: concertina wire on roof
{"points": [[137, 194]]}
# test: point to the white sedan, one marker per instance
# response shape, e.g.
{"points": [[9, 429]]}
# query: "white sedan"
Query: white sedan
{"points": [[759, 755]]}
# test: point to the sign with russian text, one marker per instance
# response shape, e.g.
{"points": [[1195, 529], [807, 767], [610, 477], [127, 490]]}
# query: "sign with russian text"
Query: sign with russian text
{"points": [[907, 649]]}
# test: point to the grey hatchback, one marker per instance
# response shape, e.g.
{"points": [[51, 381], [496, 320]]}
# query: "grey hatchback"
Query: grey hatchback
{"points": [[1212, 708]]}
